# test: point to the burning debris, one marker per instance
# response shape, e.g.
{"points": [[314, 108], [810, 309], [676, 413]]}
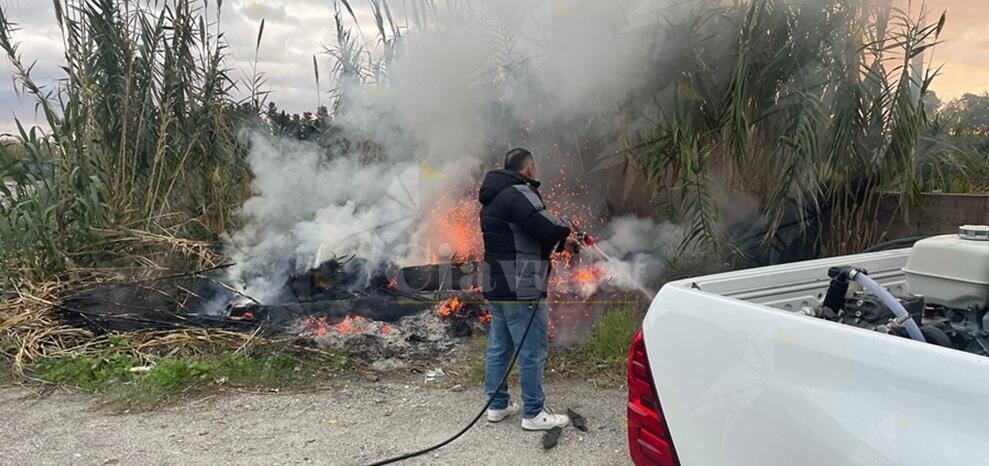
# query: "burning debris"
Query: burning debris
{"points": [[320, 326], [451, 307], [378, 318], [424, 335], [415, 313], [373, 310]]}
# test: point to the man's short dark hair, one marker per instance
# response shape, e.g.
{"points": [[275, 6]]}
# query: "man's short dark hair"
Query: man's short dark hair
{"points": [[517, 159]]}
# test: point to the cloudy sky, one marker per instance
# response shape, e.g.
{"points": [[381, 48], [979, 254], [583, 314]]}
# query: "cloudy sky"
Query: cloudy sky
{"points": [[295, 30]]}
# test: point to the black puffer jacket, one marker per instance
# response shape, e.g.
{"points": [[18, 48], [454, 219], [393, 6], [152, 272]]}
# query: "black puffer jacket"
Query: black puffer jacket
{"points": [[519, 237]]}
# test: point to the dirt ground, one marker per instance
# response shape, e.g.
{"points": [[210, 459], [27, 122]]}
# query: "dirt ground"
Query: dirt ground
{"points": [[351, 422]]}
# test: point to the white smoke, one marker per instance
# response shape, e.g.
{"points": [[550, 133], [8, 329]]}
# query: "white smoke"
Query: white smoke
{"points": [[482, 78], [637, 250], [308, 208]]}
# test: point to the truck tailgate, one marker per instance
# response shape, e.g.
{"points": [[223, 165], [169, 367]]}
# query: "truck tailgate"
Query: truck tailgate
{"points": [[742, 383]]}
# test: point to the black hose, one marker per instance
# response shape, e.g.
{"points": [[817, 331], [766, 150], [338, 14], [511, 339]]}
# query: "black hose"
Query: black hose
{"points": [[834, 299], [487, 405]]}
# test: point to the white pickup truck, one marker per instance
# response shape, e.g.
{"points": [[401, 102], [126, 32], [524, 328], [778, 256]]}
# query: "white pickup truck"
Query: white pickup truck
{"points": [[756, 367]]}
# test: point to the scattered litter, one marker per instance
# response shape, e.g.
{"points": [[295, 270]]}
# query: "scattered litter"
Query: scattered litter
{"points": [[457, 388], [435, 374], [551, 437], [329, 420], [141, 369], [577, 420]]}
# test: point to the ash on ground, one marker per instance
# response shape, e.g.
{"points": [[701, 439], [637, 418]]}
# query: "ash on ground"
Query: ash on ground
{"points": [[426, 335]]}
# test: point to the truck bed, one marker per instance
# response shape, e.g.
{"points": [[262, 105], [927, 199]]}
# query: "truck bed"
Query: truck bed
{"points": [[744, 379]]}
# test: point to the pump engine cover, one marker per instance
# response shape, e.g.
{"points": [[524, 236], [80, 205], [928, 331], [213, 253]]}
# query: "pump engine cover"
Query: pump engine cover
{"points": [[952, 270]]}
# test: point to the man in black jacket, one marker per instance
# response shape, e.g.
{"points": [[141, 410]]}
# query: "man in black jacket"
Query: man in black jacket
{"points": [[519, 238]]}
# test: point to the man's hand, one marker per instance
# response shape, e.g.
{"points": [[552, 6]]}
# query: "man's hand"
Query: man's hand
{"points": [[572, 246]]}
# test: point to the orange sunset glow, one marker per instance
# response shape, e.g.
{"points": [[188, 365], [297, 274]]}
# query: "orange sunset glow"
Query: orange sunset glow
{"points": [[964, 51]]}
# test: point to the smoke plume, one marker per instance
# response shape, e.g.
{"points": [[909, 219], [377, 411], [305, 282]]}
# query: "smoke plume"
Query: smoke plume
{"points": [[637, 250], [470, 82]]}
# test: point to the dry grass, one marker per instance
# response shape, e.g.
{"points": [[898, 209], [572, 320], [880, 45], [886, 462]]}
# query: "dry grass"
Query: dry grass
{"points": [[119, 183], [144, 369], [32, 331]]}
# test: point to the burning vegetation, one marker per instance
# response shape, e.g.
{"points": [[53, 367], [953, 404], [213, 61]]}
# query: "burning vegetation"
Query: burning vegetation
{"points": [[319, 326], [369, 310], [451, 307], [391, 314]]}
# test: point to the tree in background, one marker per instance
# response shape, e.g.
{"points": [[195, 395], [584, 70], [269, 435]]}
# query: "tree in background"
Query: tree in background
{"points": [[305, 127], [967, 118], [960, 133]]}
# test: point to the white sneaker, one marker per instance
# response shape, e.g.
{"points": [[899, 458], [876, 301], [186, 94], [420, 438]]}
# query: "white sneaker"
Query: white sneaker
{"points": [[498, 415], [545, 421]]}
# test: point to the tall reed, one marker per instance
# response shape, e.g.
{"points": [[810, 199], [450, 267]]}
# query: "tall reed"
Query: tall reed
{"points": [[812, 111], [140, 135]]}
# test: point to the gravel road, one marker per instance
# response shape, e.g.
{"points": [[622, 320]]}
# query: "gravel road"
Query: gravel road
{"points": [[354, 422]]}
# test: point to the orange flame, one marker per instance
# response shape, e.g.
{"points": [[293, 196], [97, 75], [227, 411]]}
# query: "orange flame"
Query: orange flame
{"points": [[586, 275], [458, 226], [457, 216], [350, 324], [318, 326], [451, 307]]}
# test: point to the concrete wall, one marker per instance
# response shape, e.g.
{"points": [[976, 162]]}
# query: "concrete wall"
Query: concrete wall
{"points": [[937, 214]]}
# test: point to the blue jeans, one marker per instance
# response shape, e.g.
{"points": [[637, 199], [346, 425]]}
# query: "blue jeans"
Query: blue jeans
{"points": [[508, 323]]}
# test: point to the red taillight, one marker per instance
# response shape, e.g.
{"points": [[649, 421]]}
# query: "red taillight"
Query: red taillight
{"points": [[649, 439]]}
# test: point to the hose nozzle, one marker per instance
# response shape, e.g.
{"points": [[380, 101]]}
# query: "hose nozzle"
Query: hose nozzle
{"points": [[583, 237], [589, 240]]}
